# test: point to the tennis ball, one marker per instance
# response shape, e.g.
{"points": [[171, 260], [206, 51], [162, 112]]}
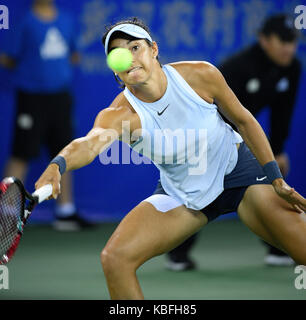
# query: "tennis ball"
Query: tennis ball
{"points": [[119, 59]]}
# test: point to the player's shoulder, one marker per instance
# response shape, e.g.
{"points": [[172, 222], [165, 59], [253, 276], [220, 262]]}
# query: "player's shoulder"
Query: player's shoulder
{"points": [[192, 66], [119, 110], [121, 105], [194, 71]]}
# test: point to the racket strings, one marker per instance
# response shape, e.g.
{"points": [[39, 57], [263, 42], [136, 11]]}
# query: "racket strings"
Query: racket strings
{"points": [[11, 204]]}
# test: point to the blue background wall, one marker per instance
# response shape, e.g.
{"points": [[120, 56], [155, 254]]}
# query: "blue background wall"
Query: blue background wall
{"points": [[185, 30]]}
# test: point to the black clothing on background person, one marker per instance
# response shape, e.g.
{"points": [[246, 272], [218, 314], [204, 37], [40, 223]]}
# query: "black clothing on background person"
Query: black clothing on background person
{"points": [[263, 83]]}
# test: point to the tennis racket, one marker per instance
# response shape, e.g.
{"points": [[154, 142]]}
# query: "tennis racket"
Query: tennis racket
{"points": [[16, 205]]}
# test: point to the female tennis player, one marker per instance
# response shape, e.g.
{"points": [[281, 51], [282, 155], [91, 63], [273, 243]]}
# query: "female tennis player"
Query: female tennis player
{"points": [[234, 172]]}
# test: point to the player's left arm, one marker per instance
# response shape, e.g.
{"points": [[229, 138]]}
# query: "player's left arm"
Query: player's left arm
{"points": [[249, 128], [233, 110]]}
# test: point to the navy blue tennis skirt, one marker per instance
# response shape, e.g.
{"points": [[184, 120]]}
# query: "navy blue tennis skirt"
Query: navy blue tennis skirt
{"points": [[247, 172]]}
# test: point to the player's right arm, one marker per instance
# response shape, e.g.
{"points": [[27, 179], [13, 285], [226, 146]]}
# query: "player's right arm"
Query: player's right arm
{"points": [[82, 151]]}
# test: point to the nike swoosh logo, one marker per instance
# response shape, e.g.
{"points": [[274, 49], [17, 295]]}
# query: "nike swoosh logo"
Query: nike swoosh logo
{"points": [[160, 113], [260, 179]]}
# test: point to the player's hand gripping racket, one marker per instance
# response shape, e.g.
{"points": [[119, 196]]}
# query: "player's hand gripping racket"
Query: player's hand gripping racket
{"points": [[16, 205]]}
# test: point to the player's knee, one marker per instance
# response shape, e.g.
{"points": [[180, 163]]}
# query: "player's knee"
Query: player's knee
{"points": [[107, 259], [111, 260]]}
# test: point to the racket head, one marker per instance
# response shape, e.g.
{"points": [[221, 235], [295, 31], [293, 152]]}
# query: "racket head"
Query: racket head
{"points": [[12, 216]]}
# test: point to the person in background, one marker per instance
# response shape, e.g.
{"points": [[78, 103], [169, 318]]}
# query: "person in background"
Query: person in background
{"points": [[41, 53], [265, 74]]}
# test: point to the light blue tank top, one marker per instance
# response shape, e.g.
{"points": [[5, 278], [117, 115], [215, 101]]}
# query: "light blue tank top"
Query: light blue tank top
{"points": [[187, 140]]}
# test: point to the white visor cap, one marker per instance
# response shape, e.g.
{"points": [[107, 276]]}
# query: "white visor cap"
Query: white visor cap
{"points": [[128, 28]]}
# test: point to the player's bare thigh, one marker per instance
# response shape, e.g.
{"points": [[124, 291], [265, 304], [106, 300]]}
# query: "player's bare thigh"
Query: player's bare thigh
{"points": [[272, 218], [146, 232]]}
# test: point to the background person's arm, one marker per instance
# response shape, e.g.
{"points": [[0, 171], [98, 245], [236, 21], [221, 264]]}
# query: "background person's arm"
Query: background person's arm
{"points": [[282, 108]]}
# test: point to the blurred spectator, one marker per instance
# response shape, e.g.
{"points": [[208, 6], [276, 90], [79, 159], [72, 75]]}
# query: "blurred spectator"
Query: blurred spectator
{"points": [[41, 53], [264, 74]]}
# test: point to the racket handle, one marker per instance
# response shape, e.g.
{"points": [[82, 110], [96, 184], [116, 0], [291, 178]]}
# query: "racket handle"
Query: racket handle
{"points": [[43, 193]]}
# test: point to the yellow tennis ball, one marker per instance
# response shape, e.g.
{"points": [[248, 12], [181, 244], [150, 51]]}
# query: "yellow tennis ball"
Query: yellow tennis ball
{"points": [[119, 59]]}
